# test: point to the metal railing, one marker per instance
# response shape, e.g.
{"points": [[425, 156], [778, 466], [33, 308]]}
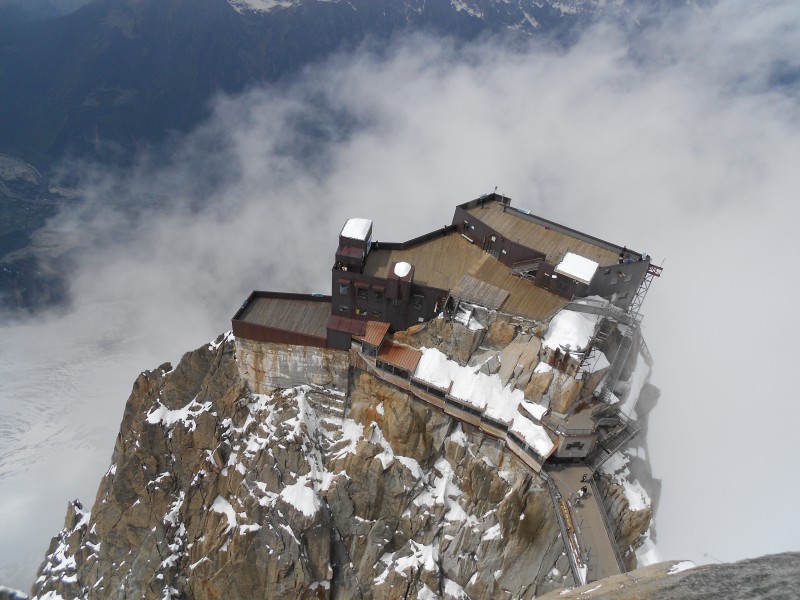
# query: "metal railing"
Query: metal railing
{"points": [[598, 307], [611, 445], [555, 496], [607, 523], [579, 567], [628, 337]]}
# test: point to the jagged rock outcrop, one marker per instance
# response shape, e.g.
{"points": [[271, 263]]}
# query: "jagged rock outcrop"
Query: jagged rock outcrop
{"points": [[216, 491], [565, 391], [448, 336], [538, 384], [774, 577]]}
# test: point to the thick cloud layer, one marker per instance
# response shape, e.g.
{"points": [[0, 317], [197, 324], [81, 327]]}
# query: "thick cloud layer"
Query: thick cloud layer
{"points": [[681, 140]]}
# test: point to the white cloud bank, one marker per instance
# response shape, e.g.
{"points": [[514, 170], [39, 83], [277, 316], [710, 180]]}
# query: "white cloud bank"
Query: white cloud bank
{"points": [[682, 140]]}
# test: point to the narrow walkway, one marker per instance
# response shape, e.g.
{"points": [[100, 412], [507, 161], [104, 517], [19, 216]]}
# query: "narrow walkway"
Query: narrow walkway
{"points": [[591, 539], [456, 409], [588, 539]]}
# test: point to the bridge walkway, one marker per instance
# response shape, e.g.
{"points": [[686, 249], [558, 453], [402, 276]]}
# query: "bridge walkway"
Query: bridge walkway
{"points": [[592, 539]]}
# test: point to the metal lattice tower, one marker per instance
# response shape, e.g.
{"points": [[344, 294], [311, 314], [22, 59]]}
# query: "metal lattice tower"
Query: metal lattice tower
{"points": [[641, 291]]}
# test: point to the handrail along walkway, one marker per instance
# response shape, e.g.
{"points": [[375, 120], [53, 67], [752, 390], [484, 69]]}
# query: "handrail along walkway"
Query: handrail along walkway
{"points": [[442, 400]]}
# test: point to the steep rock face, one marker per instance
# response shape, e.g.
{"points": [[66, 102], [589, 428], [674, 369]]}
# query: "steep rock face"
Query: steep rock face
{"points": [[564, 393], [628, 522], [448, 336], [497, 516], [270, 366], [216, 492]]}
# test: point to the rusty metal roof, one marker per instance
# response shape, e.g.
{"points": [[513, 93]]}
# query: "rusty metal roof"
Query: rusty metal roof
{"points": [[400, 356], [307, 317], [376, 331], [514, 225], [442, 262], [351, 326]]}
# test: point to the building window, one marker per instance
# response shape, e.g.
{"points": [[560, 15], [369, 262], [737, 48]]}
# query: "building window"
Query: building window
{"points": [[378, 295], [575, 446], [361, 293], [416, 301], [344, 308], [344, 288], [361, 311], [377, 314]]}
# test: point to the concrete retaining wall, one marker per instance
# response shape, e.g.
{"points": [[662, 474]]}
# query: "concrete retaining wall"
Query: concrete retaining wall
{"points": [[267, 366]]}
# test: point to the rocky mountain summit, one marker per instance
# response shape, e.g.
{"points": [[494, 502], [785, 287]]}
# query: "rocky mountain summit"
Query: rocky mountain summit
{"points": [[218, 492]]}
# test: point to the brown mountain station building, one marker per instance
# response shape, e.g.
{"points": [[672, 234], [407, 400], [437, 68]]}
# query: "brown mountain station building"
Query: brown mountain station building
{"points": [[492, 255]]}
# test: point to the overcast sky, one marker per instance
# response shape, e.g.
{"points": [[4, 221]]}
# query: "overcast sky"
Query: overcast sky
{"points": [[682, 141]]}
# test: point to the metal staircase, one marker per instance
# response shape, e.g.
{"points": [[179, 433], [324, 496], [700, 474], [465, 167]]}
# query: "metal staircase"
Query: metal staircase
{"points": [[629, 335], [523, 269], [596, 346], [644, 286], [607, 447], [600, 307]]}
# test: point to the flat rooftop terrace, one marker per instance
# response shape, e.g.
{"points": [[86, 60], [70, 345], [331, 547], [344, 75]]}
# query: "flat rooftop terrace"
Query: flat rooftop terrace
{"points": [[442, 261], [552, 239], [292, 314]]}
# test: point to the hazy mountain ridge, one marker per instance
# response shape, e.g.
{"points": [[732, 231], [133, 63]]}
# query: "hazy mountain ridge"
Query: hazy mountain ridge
{"points": [[17, 11], [27, 200], [115, 75]]}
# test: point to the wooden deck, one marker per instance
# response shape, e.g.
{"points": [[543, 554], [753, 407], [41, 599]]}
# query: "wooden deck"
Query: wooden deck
{"points": [[442, 262], [299, 316], [553, 243], [479, 292], [438, 263]]}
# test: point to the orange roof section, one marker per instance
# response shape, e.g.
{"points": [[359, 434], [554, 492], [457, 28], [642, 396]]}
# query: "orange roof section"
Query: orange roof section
{"points": [[375, 333], [402, 357]]}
